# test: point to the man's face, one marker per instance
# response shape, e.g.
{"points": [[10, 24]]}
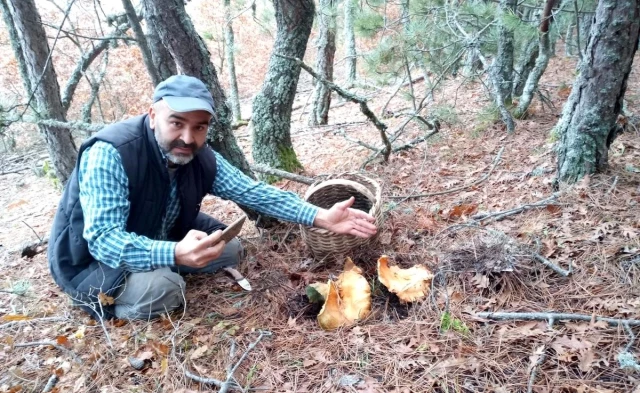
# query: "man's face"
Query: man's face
{"points": [[180, 135]]}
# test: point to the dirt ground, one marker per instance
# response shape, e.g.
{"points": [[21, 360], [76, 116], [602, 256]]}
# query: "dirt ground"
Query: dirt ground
{"points": [[439, 344]]}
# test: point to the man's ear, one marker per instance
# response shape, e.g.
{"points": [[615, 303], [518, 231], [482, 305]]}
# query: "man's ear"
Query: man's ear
{"points": [[152, 117]]}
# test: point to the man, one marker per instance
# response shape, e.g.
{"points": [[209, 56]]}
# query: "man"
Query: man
{"points": [[129, 220]]}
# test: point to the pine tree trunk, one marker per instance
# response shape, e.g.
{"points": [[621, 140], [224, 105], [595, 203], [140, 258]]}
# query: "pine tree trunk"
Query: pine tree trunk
{"points": [[162, 58], [569, 40], [588, 125], [324, 62], [271, 118], [350, 41], [524, 65], [503, 66], [586, 20], [229, 50], [175, 29], [15, 44], [141, 40], [531, 86], [471, 63], [43, 83]]}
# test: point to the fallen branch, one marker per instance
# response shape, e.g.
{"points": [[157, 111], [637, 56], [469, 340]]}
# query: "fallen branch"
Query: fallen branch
{"points": [[229, 382], [496, 160], [364, 108], [551, 316], [26, 168], [226, 386], [534, 370], [280, 173], [414, 142], [51, 383], [52, 344], [45, 319], [497, 216], [552, 266]]}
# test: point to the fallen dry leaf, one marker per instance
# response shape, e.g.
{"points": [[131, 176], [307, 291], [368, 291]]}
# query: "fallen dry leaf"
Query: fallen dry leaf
{"points": [[462, 210], [199, 352], [409, 284], [105, 299]]}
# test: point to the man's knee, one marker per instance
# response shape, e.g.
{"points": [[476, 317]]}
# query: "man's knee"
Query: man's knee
{"points": [[147, 295]]}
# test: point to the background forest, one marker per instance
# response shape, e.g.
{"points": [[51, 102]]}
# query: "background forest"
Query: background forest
{"points": [[504, 133]]}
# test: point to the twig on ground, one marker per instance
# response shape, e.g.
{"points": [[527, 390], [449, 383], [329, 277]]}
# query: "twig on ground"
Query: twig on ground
{"points": [[229, 382], [534, 369], [547, 316], [496, 160], [364, 108], [51, 383], [632, 337], [497, 216], [203, 380], [45, 319], [280, 173], [552, 266], [52, 344], [33, 230], [414, 142], [613, 185], [26, 168]]}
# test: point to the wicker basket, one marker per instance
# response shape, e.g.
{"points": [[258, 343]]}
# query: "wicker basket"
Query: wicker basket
{"points": [[338, 188]]}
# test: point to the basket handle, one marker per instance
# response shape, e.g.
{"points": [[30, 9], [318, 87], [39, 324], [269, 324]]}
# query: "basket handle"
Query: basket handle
{"points": [[359, 187]]}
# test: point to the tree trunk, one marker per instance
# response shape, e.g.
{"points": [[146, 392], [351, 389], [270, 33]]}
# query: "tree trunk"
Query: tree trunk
{"points": [[174, 27], [229, 50], [525, 64], [324, 62], [15, 44], [44, 84], [271, 118], [350, 41], [586, 20], [588, 124], [503, 66], [542, 61], [162, 58], [569, 40], [134, 22]]}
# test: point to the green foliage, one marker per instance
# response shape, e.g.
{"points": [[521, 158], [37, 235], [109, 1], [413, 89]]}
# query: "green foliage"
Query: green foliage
{"points": [[49, 172], [449, 322], [207, 35], [368, 23], [487, 117], [445, 113]]}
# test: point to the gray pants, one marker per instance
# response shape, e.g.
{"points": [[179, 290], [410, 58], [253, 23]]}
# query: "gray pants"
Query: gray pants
{"points": [[146, 295]]}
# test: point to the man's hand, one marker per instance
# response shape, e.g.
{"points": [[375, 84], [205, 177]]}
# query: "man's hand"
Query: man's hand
{"points": [[344, 220], [197, 249]]}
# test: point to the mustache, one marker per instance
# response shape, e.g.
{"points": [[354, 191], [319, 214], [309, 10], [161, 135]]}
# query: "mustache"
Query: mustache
{"points": [[180, 144]]}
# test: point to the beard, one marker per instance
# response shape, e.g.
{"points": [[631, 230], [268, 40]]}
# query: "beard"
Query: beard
{"points": [[167, 146]]}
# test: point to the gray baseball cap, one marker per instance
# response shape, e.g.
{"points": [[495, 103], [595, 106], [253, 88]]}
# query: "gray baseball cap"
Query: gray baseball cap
{"points": [[184, 93]]}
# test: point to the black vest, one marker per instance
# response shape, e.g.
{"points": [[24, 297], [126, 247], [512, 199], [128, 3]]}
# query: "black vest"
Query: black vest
{"points": [[73, 267]]}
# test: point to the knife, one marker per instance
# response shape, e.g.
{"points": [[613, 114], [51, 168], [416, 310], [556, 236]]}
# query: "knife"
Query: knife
{"points": [[243, 282]]}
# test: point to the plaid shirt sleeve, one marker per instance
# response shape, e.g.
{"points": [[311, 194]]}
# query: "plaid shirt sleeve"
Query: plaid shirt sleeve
{"points": [[104, 197], [234, 185]]}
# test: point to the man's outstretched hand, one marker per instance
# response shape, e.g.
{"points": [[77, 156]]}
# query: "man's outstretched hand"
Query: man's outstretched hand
{"points": [[197, 249], [341, 218]]}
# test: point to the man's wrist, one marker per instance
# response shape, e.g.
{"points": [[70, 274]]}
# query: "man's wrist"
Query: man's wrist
{"points": [[162, 254], [320, 221]]}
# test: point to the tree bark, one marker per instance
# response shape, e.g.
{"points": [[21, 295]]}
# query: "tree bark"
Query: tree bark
{"points": [[271, 118], [350, 41], [503, 65], [162, 59], [542, 61], [16, 45], [175, 29], [588, 125], [229, 50], [43, 82], [523, 67], [134, 22], [325, 55]]}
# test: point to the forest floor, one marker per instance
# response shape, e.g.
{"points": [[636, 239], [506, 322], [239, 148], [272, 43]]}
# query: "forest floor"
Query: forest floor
{"points": [[439, 344]]}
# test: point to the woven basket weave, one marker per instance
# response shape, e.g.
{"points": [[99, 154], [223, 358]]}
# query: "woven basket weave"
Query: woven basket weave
{"points": [[337, 188]]}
